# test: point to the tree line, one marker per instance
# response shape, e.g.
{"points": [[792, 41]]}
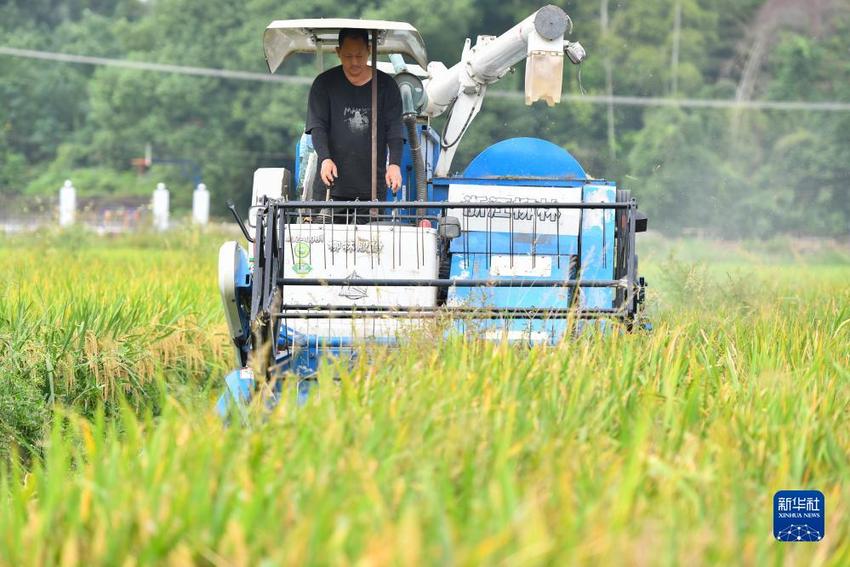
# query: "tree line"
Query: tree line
{"points": [[733, 172]]}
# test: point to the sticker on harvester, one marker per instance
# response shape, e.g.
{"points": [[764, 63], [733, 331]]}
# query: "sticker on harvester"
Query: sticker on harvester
{"points": [[542, 220], [301, 250], [517, 335], [521, 265], [799, 515]]}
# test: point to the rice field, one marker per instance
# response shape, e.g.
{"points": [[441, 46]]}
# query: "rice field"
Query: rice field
{"points": [[657, 448]]}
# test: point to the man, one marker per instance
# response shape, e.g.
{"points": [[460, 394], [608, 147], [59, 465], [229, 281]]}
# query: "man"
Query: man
{"points": [[338, 114]]}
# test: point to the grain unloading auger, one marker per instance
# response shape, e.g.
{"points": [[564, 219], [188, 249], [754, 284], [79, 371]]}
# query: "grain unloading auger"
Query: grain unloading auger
{"points": [[522, 246]]}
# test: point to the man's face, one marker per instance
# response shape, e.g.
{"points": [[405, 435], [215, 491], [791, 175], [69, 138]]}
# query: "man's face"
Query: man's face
{"points": [[354, 54]]}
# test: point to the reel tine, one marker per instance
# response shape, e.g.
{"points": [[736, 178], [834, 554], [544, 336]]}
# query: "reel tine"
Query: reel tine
{"points": [[369, 248], [511, 233], [534, 237], [355, 237], [325, 242], [558, 236]]}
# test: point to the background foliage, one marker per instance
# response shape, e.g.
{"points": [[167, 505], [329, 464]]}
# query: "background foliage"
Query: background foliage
{"points": [[736, 173]]}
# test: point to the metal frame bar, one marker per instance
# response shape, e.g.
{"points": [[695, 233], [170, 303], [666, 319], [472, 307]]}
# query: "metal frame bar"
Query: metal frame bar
{"points": [[458, 308], [425, 313], [631, 276], [286, 205], [383, 311], [441, 282]]}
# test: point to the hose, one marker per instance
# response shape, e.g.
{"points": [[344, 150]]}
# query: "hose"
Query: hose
{"points": [[418, 158]]}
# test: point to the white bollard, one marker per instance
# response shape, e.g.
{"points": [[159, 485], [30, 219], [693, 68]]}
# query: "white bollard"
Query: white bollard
{"points": [[201, 205], [160, 207], [67, 204]]}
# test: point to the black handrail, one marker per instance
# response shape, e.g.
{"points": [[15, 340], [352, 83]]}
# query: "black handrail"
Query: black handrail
{"points": [[241, 224]]}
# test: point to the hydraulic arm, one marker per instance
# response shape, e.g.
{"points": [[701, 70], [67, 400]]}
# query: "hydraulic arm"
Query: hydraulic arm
{"points": [[461, 89]]}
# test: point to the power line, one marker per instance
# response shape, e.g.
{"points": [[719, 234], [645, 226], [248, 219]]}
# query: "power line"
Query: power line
{"points": [[157, 67], [828, 106]]}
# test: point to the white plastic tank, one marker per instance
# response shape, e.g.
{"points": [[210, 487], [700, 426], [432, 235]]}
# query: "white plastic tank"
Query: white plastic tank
{"points": [[201, 205], [352, 252], [160, 207], [67, 204]]}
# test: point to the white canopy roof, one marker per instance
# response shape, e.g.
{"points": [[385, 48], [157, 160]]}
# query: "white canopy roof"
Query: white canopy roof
{"points": [[284, 37]]}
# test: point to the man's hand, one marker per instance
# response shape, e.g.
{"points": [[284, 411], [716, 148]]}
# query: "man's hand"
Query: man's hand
{"points": [[329, 172], [393, 177]]}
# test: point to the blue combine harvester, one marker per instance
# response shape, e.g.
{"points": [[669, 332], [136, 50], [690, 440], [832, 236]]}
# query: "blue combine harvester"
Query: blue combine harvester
{"points": [[523, 246]]}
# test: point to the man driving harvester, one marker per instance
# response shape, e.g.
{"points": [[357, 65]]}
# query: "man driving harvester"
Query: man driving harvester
{"points": [[351, 149]]}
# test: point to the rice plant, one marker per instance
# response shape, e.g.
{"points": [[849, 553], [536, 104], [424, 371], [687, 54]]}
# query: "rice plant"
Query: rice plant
{"points": [[648, 448]]}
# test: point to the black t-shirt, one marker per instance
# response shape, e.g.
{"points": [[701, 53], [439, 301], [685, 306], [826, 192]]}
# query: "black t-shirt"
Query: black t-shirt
{"points": [[338, 118]]}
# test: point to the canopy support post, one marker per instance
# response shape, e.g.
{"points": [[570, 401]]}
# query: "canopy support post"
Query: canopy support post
{"points": [[374, 119]]}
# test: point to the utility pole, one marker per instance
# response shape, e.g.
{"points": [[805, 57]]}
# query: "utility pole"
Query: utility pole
{"points": [[677, 35], [609, 79]]}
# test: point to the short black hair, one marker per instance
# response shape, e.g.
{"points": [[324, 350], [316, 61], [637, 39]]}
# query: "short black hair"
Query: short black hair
{"points": [[354, 34]]}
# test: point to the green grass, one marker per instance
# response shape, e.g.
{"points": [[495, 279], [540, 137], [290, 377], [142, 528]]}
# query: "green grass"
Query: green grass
{"points": [[651, 448]]}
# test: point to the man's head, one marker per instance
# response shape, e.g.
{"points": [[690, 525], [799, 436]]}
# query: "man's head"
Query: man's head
{"points": [[353, 52]]}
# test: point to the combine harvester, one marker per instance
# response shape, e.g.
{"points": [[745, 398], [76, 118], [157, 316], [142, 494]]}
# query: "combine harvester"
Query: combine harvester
{"points": [[523, 246]]}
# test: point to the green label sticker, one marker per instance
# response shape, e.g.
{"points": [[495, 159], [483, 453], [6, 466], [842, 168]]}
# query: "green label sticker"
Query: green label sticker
{"points": [[301, 250]]}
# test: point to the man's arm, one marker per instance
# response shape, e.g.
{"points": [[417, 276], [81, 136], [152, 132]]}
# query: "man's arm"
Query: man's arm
{"points": [[392, 122], [393, 133], [318, 126], [318, 118]]}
